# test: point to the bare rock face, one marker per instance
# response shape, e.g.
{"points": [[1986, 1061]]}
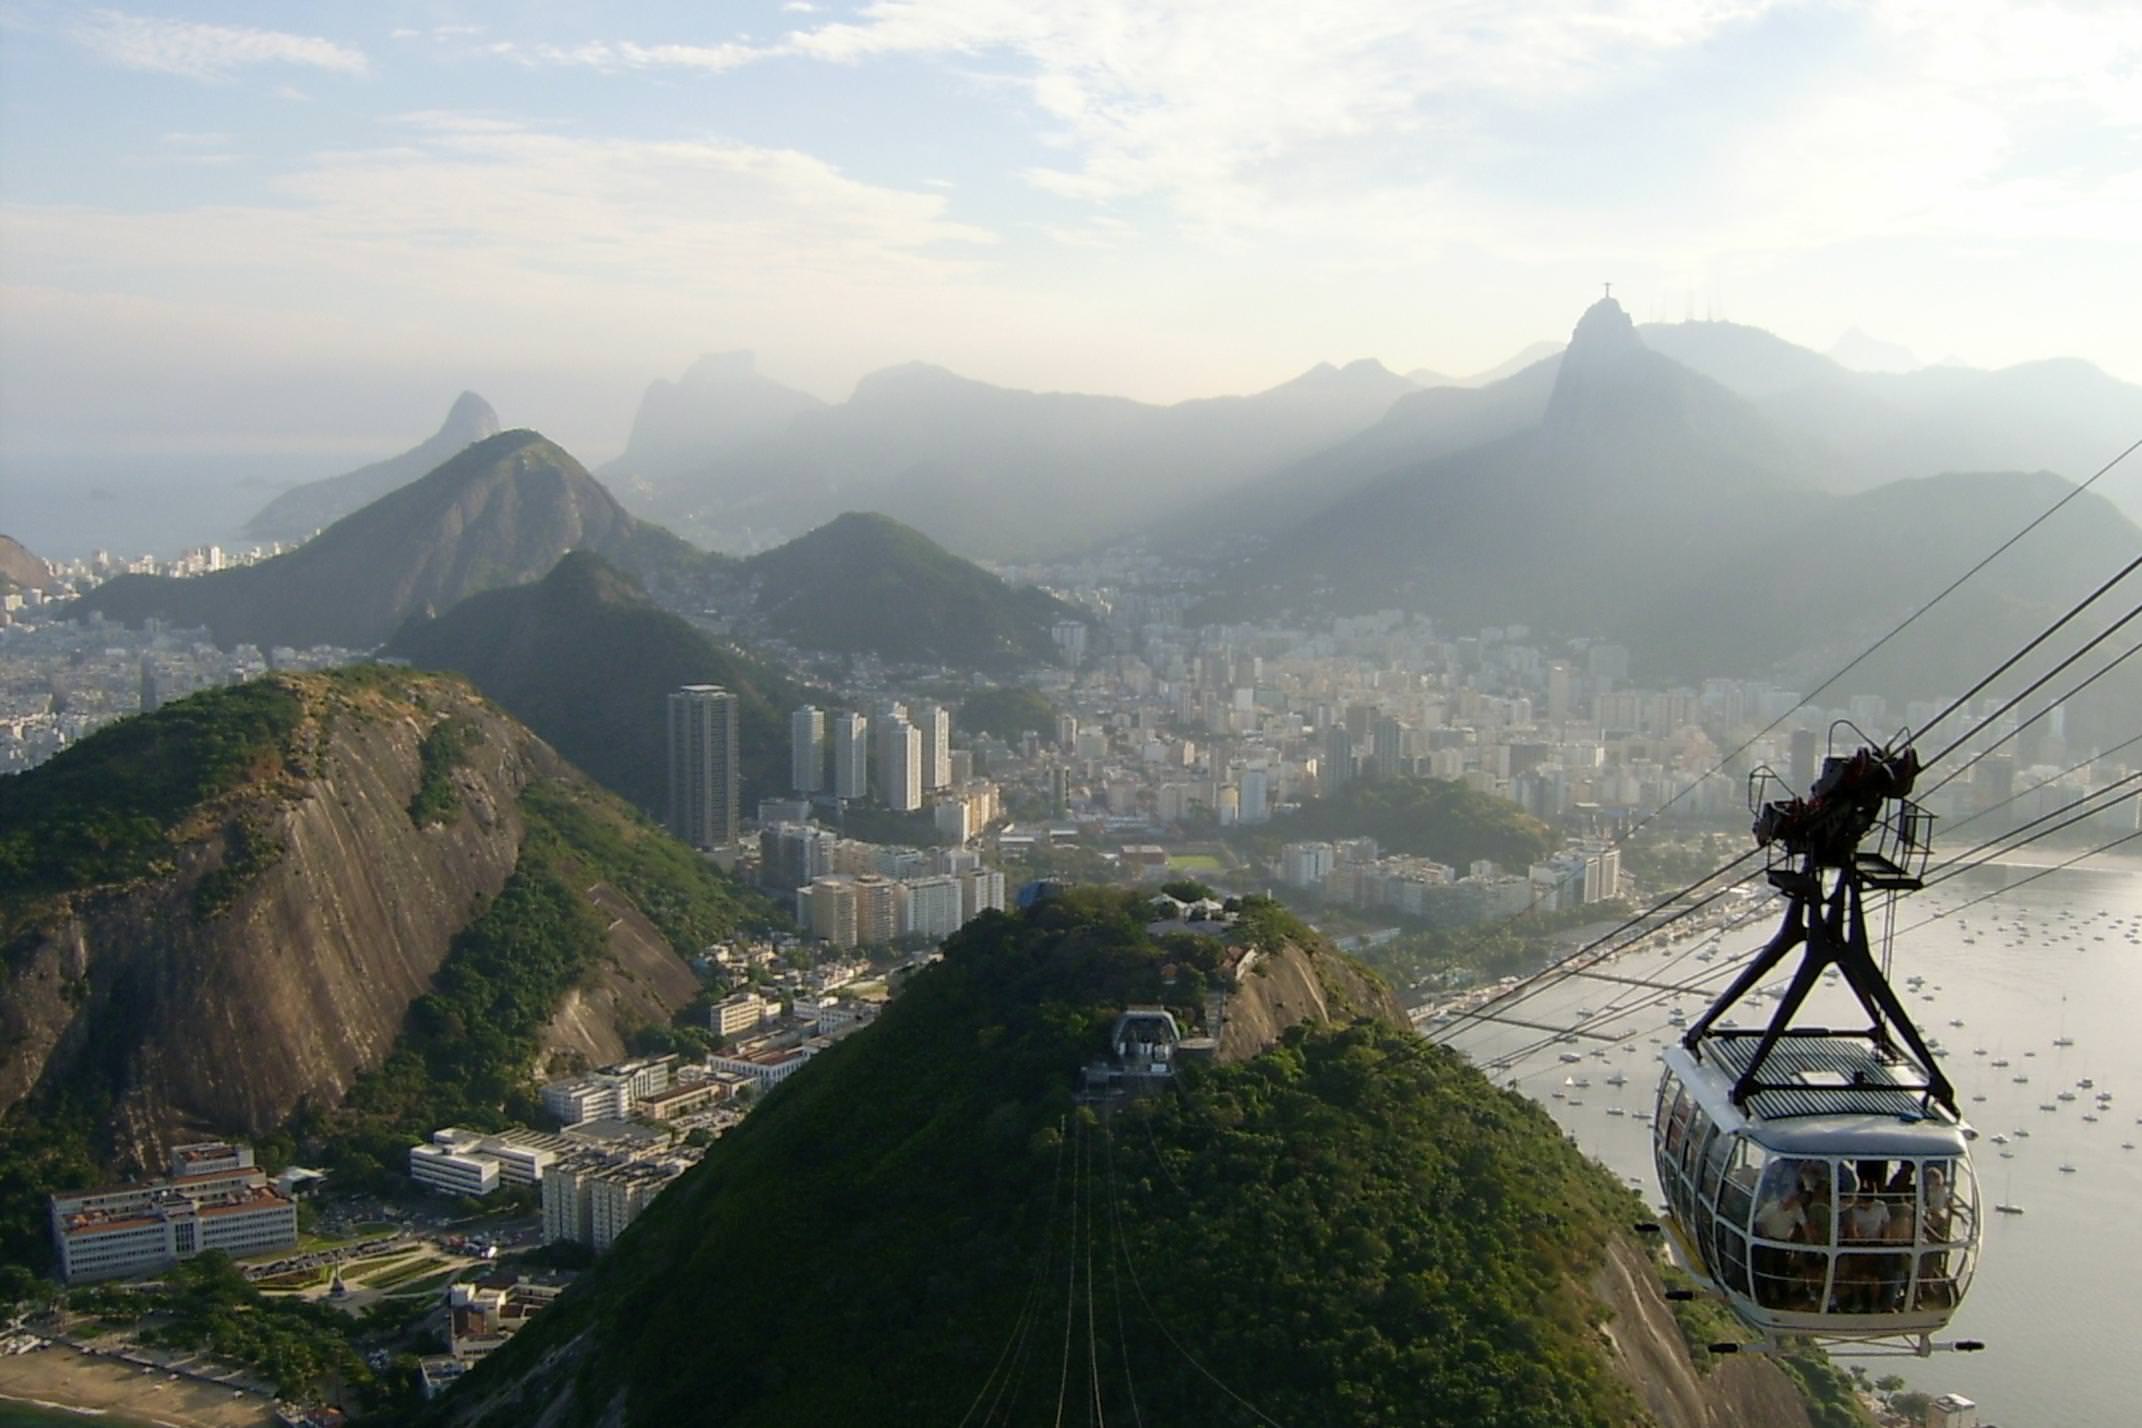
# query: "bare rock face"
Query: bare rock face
{"points": [[1647, 1350], [639, 982], [226, 1020], [1299, 984]]}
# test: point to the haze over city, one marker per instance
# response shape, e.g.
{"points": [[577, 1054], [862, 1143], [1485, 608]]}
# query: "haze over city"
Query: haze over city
{"points": [[1408, 713], [237, 228]]}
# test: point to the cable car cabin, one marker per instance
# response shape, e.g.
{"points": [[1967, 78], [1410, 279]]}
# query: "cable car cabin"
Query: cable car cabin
{"points": [[1846, 1210]]}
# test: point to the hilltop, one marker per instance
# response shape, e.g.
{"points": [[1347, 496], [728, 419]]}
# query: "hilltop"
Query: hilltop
{"points": [[1633, 460], [499, 513], [1335, 1221], [20, 569], [866, 583], [301, 510], [233, 909], [586, 661]]}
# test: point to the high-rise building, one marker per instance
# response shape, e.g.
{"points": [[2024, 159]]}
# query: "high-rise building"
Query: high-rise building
{"points": [[851, 756], [807, 749], [1256, 794], [934, 723], [152, 696], [900, 765], [1337, 769], [702, 765]]}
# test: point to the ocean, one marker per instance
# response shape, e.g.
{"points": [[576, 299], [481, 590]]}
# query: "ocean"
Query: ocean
{"points": [[2058, 1291]]}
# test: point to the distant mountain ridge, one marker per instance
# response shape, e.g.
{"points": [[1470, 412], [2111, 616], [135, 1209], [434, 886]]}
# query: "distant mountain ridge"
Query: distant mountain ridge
{"points": [[721, 404], [499, 513], [984, 469], [301, 510]]}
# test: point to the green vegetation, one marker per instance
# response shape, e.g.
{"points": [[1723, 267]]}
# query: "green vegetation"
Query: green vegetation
{"points": [[402, 1271], [41, 1153], [1485, 950], [585, 661], [467, 1052], [864, 583], [108, 809], [1353, 1227], [1425, 817], [1702, 1319], [249, 849], [693, 903], [1831, 1397], [445, 749], [1007, 714], [206, 1306], [1187, 889]]}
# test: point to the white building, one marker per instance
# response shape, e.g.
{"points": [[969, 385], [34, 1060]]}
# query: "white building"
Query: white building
{"points": [[934, 723], [736, 1014], [900, 765], [935, 907], [851, 755], [440, 1167], [215, 1199]]}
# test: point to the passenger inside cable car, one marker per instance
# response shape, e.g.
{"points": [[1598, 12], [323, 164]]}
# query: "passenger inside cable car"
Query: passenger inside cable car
{"points": [[1842, 1237]]}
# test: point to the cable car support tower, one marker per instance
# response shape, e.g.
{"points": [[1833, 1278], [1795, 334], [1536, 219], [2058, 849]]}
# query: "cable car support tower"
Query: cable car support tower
{"points": [[1819, 861]]}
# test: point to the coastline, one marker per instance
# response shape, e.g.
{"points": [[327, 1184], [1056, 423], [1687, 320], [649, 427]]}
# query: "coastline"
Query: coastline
{"points": [[66, 1381]]}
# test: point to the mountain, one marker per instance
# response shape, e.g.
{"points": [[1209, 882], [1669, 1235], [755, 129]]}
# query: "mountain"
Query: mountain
{"points": [[1634, 461], [1861, 353], [583, 659], [1006, 473], [229, 910], [721, 405], [866, 584], [1530, 355], [499, 513], [301, 510], [1832, 574], [1418, 427], [20, 569], [1334, 1223], [1747, 360]]}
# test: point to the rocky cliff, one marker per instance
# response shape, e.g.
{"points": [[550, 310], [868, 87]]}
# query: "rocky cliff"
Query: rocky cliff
{"points": [[264, 946]]}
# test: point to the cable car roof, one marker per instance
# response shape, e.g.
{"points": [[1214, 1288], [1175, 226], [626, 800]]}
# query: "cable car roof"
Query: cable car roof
{"points": [[1850, 1104]]}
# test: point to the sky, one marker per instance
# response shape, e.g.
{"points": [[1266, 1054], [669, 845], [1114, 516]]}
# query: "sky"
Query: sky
{"points": [[259, 229]]}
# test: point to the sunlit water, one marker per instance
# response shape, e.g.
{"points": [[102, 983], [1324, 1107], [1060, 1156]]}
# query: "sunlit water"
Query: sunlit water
{"points": [[2058, 1297]]}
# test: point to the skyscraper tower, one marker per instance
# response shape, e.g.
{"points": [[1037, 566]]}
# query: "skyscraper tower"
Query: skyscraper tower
{"points": [[807, 749], [934, 723], [851, 755], [900, 765], [703, 794]]}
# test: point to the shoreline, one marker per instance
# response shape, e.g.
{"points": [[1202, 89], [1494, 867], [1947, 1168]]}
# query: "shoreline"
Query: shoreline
{"points": [[60, 1379]]}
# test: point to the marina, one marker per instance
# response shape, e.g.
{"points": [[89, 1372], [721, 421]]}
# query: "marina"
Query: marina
{"points": [[2046, 981]]}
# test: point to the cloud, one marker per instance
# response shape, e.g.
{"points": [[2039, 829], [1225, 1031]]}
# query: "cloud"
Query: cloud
{"points": [[205, 52], [619, 55]]}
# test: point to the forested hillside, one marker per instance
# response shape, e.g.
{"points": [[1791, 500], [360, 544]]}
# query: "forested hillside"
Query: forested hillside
{"points": [[1349, 1228]]}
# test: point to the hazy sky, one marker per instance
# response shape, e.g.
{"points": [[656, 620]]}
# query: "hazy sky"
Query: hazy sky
{"points": [[259, 227]]}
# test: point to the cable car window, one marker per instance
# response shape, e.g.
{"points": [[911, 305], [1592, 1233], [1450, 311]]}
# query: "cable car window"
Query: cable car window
{"points": [[1700, 1134], [1677, 1126], [1870, 1282], [1715, 1156], [1733, 1260], [1736, 1197], [1948, 1218], [1787, 1276]]}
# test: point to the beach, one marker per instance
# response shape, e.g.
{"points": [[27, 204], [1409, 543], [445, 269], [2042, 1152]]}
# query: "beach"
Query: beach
{"points": [[58, 1377]]}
